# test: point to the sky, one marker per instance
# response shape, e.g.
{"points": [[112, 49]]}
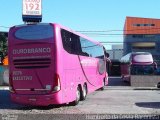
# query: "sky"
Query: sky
{"points": [[101, 20]]}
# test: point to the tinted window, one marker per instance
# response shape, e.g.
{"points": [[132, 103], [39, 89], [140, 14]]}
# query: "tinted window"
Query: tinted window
{"points": [[66, 40], [126, 58], [71, 42], [80, 46], [34, 32], [142, 70], [92, 49], [86, 47]]}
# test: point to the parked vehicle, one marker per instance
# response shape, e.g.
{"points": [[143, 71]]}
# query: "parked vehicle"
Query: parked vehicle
{"points": [[51, 64], [137, 63]]}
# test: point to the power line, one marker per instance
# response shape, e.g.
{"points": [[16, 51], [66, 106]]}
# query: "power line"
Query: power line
{"points": [[107, 36], [111, 42], [104, 33], [128, 42], [92, 31], [98, 30], [100, 34]]}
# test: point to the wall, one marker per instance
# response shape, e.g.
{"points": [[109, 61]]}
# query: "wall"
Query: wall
{"points": [[115, 54], [144, 80]]}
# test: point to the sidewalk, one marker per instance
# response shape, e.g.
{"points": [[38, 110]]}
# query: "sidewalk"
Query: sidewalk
{"points": [[130, 88]]}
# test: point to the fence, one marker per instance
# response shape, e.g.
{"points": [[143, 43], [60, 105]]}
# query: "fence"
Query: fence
{"points": [[145, 80]]}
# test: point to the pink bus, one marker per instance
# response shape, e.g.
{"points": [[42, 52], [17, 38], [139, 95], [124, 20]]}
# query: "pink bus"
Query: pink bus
{"points": [[51, 64], [137, 63]]}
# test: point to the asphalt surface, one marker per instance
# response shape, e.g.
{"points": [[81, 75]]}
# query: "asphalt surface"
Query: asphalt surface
{"points": [[116, 101]]}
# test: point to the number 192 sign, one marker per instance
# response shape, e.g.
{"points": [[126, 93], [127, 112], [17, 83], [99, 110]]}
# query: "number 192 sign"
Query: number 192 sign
{"points": [[32, 10]]}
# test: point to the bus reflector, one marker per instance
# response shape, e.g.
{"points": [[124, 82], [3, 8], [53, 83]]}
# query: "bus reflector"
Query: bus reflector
{"points": [[56, 86]]}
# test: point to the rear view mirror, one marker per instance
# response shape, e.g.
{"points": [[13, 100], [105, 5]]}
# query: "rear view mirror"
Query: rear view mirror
{"points": [[107, 54]]}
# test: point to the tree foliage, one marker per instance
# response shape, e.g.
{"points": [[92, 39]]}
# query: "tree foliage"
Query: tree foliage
{"points": [[3, 44]]}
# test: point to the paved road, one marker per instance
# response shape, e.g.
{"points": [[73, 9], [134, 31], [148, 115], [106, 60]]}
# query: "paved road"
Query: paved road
{"points": [[113, 100]]}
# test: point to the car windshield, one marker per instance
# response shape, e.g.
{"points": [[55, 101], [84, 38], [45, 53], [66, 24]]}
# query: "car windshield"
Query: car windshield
{"points": [[142, 69]]}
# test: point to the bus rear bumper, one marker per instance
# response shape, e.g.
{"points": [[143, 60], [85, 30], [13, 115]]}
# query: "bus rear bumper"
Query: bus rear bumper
{"points": [[36, 100]]}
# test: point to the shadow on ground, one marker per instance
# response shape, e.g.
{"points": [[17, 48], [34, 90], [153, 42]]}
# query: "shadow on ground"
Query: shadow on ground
{"points": [[6, 103], [155, 105], [117, 81]]}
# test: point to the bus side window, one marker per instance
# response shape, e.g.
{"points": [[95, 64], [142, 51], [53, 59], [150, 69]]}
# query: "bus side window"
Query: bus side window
{"points": [[75, 45], [66, 40], [71, 42]]}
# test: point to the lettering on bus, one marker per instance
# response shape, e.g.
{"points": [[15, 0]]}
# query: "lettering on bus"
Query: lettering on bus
{"points": [[18, 75], [31, 50], [22, 78], [89, 62]]}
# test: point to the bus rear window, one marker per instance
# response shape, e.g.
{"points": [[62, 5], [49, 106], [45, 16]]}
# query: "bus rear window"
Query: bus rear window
{"points": [[34, 32]]}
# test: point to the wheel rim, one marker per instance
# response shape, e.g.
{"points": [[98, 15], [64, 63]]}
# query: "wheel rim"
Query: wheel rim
{"points": [[84, 91]]}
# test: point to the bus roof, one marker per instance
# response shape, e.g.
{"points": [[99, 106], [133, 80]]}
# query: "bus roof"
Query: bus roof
{"points": [[77, 33], [63, 27], [128, 58], [143, 53]]}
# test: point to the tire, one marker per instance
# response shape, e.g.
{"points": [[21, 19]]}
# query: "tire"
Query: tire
{"points": [[102, 88], [158, 85], [74, 103], [84, 92]]}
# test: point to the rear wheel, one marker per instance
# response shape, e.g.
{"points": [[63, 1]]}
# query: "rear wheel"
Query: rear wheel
{"points": [[158, 85], [102, 88], [84, 92], [77, 97]]}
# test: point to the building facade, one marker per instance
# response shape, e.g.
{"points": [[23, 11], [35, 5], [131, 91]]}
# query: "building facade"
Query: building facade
{"points": [[115, 55], [142, 35], [116, 52]]}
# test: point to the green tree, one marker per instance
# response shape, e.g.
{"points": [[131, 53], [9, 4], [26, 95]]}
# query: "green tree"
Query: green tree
{"points": [[3, 44]]}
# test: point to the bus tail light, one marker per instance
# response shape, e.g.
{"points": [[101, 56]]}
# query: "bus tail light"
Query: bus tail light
{"points": [[57, 85], [11, 88]]}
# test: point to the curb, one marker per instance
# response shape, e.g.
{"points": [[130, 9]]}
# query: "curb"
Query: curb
{"points": [[131, 88], [118, 88], [146, 88]]}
